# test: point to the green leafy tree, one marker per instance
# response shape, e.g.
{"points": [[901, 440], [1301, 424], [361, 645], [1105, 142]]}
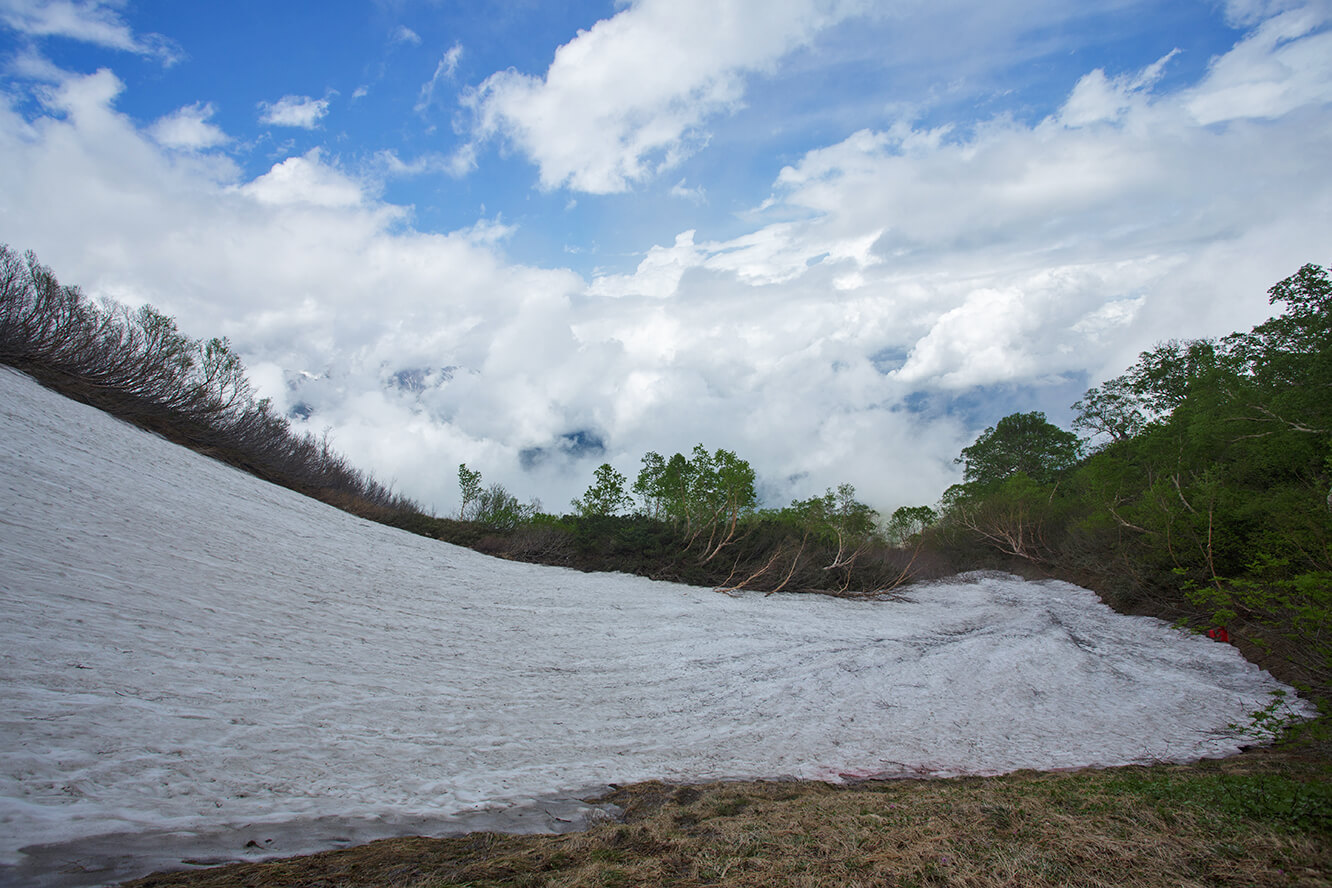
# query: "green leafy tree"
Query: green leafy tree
{"points": [[1113, 409], [705, 494], [650, 485], [606, 496], [1284, 365], [469, 482], [839, 517], [909, 521], [1016, 515], [1150, 391], [497, 509], [723, 492], [1020, 443], [668, 488]]}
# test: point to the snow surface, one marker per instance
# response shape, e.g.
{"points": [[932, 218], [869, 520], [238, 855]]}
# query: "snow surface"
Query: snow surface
{"points": [[193, 659]]}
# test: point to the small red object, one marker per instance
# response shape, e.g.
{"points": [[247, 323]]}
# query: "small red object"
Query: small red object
{"points": [[1219, 634]]}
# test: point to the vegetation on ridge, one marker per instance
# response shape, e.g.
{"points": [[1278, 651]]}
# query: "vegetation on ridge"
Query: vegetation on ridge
{"points": [[138, 366], [1204, 495]]}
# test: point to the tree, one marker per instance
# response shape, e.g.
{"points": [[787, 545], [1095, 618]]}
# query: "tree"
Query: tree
{"points": [[138, 365], [723, 492], [908, 521], [650, 485], [839, 517], [1020, 443], [469, 482], [497, 509], [606, 496], [1012, 515], [1150, 391], [706, 493], [222, 377], [1284, 365], [1113, 409]]}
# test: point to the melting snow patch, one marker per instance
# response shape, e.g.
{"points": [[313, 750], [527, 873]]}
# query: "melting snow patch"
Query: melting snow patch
{"points": [[194, 660]]}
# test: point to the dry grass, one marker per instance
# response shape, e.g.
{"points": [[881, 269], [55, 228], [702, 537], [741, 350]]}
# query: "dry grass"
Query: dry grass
{"points": [[1259, 820]]}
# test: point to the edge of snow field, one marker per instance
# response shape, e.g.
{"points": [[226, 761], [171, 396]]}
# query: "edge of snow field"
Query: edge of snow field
{"points": [[111, 858]]}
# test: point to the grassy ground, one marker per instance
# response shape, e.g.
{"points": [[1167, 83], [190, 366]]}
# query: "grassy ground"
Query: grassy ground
{"points": [[1257, 820]]}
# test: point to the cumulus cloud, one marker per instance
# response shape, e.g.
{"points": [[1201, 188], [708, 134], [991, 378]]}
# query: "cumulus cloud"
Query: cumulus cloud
{"points": [[188, 128], [305, 180], [91, 21], [298, 111], [630, 96]]}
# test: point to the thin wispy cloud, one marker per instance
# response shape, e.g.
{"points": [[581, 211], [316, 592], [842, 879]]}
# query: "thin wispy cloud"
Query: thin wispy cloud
{"points": [[404, 34], [697, 194], [444, 71], [90, 21]]}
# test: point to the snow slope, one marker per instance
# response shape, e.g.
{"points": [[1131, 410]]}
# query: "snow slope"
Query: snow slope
{"points": [[193, 659]]}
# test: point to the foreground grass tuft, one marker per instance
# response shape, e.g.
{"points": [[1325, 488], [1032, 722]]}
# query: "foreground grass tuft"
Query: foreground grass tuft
{"points": [[1259, 820]]}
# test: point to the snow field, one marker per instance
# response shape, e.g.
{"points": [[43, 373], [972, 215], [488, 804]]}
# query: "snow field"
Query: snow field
{"points": [[187, 649]]}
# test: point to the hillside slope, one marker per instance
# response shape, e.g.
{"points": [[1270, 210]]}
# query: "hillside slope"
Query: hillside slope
{"points": [[187, 650]]}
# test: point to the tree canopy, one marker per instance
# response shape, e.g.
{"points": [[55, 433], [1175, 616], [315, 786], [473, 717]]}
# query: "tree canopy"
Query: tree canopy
{"points": [[606, 496], [1020, 443]]}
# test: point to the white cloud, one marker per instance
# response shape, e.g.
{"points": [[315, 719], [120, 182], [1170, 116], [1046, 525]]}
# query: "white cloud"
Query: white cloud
{"points": [[462, 161], [696, 195], [305, 180], [188, 128], [298, 111], [29, 64], [404, 34], [1013, 255], [456, 165], [1245, 13], [630, 96], [1284, 64], [448, 64], [90, 21], [657, 276], [87, 97], [1097, 98], [393, 165]]}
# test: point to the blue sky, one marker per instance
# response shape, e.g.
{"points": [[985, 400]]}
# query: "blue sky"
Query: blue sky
{"points": [[838, 236]]}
